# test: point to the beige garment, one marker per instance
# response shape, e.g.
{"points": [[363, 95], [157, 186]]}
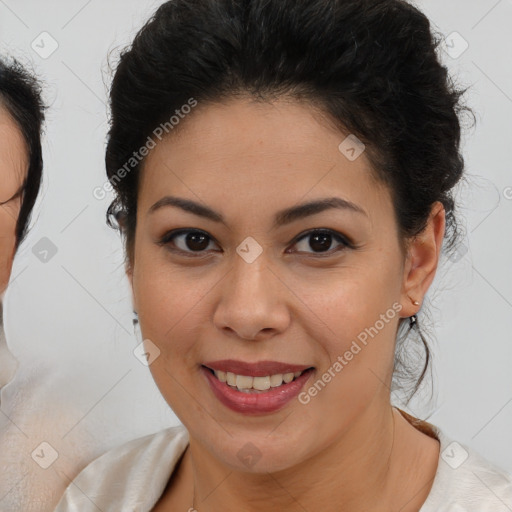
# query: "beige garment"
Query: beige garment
{"points": [[27, 421], [8, 363], [132, 477]]}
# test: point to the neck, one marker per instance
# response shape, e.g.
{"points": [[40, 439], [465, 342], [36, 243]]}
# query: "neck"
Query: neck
{"points": [[368, 456]]}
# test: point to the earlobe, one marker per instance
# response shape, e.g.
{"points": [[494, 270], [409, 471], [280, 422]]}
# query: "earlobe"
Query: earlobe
{"points": [[422, 260]]}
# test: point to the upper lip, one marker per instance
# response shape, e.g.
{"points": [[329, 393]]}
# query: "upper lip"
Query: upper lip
{"points": [[259, 369]]}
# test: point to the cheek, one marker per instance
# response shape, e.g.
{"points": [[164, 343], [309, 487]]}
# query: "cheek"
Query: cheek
{"points": [[359, 331], [348, 300], [357, 342], [171, 307], [355, 316]]}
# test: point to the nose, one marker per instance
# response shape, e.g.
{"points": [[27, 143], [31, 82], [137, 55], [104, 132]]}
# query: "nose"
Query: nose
{"points": [[253, 301]]}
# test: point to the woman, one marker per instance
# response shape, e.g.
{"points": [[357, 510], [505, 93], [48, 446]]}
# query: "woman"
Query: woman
{"points": [[21, 164], [284, 173]]}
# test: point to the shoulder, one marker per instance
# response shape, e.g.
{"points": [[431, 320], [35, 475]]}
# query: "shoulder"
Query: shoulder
{"points": [[465, 481], [133, 474]]}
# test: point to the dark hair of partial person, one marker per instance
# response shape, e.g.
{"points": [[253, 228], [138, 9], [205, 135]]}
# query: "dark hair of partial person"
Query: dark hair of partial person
{"points": [[21, 97], [371, 67]]}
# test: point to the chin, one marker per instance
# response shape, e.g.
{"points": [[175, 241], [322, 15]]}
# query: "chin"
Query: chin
{"points": [[258, 453]]}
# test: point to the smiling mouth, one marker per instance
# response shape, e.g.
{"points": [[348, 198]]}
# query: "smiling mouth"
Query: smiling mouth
{"points": [[261, 384]]}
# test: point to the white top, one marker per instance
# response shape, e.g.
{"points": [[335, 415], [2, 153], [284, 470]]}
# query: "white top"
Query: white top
{"points": [[133, 476], [8, 363]]}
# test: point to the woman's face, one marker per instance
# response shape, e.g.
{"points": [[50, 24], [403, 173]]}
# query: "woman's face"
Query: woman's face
{"points": [[13, 170], [258, 288]]}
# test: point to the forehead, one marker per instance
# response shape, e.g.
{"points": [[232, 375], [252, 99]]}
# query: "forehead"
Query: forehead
{"points": [[242, 152]]}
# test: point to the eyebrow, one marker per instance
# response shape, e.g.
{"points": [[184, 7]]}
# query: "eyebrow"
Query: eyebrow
{"points": [[283, 217]]}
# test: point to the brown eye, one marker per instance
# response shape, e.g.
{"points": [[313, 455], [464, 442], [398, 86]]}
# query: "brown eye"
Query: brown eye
{"points": [[321, 241], [186, 241]]}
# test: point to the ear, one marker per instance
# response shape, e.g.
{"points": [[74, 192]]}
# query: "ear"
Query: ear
{"points": [[422, 259]]}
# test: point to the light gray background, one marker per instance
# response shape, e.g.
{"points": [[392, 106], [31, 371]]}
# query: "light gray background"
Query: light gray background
{"points": [[68, 320]]}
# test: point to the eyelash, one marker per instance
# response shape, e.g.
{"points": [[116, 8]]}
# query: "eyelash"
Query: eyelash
{"points": [[346, 244]]}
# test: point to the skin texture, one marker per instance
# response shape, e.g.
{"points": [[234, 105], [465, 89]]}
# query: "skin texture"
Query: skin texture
{"points": [[13, 170], [248, 161]]}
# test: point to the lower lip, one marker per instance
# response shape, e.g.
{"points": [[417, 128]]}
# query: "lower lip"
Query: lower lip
{"points": [[256, 403]]}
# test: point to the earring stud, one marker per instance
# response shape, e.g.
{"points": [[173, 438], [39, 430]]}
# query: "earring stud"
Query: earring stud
{"points": [[415, 302]]}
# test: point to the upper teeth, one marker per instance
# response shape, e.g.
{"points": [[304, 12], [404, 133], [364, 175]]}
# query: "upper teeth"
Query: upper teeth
{"points": [[259, 383]]}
